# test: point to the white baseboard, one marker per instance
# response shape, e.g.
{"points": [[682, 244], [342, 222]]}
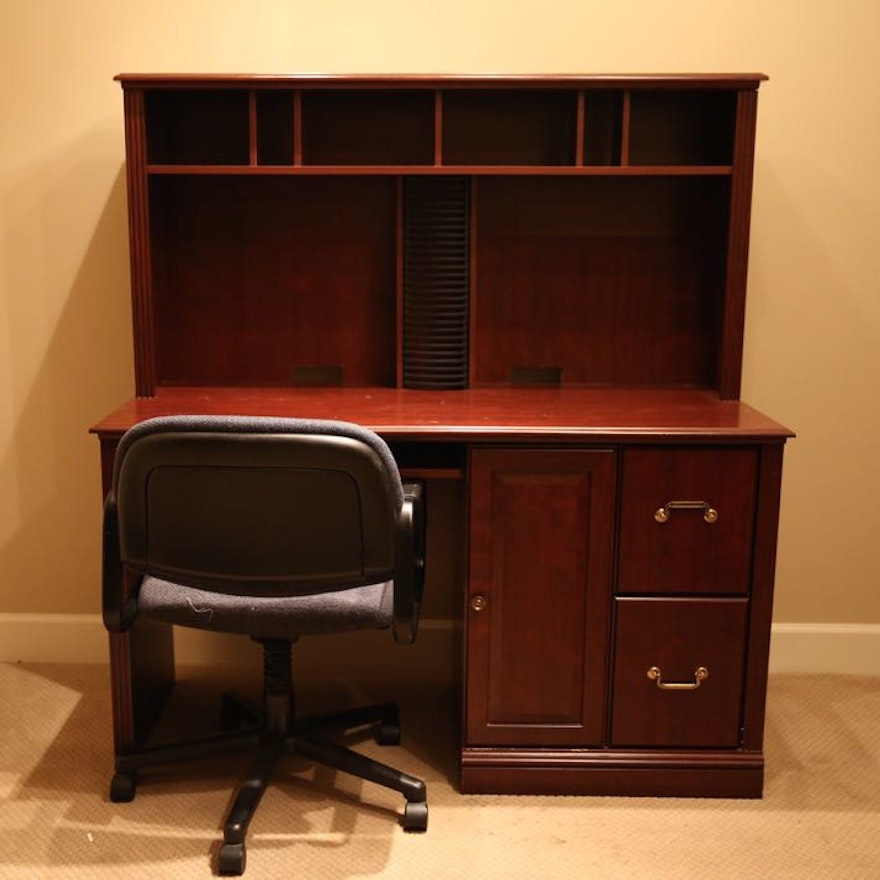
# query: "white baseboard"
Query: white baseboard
{"points": [[52, 638], [363, 656], [830, 648]]}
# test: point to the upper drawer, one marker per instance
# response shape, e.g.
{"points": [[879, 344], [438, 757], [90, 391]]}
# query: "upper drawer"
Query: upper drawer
{"points": [[687, 518]]}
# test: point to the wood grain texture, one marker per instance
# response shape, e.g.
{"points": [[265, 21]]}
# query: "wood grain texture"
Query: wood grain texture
{"points": [[685, 554], [541, 532], [533, 414], [678, 636], [730, 365], [613, 772], [139, 242]]}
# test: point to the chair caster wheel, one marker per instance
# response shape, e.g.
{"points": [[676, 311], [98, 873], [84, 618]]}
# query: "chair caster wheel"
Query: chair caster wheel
{"points": [[232, 859], [415, 816], [122, 787], [388, 733]]}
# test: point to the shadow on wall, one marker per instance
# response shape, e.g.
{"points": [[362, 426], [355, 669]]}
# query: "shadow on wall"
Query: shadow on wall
{"points": [[68, 322], [810, 361]]}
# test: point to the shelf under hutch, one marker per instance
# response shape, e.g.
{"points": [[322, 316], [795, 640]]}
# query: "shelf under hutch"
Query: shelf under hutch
{"points": [[533, 287]]}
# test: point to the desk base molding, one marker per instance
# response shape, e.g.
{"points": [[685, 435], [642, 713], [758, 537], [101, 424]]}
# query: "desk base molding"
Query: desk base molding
{"points": [[620, 773]]}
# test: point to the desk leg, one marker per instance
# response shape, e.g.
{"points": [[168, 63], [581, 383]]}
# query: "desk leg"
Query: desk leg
{"points": [[141, 675], [141, 660]]}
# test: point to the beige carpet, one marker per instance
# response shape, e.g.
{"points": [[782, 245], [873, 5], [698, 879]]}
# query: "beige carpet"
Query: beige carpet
{"points": [[818, 818]]}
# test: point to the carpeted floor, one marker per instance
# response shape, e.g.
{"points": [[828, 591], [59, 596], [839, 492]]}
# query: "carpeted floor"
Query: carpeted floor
{"points": [[818, 818]]}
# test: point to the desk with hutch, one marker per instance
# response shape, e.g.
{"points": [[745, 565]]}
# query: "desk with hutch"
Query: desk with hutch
{"points": [[534, 287]]}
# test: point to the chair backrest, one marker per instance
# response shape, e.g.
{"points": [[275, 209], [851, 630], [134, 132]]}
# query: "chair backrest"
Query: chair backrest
{"points": [[256, 506]]}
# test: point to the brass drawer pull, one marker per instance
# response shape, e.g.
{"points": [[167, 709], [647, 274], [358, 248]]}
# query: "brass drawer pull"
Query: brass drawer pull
{"points": [[700, 675], [709, 512], [479, 602]]}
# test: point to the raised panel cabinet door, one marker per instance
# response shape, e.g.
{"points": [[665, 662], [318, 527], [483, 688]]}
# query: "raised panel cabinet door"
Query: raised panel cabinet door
{"points": [[541, 537]]}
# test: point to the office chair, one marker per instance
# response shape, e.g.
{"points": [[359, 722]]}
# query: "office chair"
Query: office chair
{"points": [[275, 529]]}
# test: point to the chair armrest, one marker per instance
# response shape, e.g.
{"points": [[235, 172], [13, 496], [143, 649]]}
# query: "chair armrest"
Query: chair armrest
{"points": [[119, 610], [409, 563]]}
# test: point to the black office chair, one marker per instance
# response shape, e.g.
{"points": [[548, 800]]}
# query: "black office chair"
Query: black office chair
{"points": [[272, 528]]}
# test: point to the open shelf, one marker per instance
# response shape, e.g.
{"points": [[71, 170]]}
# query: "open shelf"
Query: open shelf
{"points": [[372, 128], [551, 131], [190, 127], [603, 127], [275, 126], [682, 127], [449, 170], [273, 281], [578, 284], [509, 127]]}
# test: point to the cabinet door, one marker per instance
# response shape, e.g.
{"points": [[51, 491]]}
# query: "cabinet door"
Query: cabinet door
{"points": [[541, 535]]}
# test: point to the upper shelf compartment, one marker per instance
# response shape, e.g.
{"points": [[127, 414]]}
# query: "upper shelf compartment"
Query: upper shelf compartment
{"points": [[681, 127], [368, 128], [197, 127], [580, 126], [512, 128]]}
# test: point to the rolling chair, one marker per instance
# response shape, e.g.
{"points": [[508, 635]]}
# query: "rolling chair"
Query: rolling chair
{"points": [[275, 529]]}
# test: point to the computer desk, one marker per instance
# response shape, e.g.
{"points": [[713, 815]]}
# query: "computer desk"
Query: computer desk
{"points": [[588, 235], [609, 533]]}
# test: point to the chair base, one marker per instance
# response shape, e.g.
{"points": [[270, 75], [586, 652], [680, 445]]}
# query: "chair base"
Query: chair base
{"points": [[277, 734]]}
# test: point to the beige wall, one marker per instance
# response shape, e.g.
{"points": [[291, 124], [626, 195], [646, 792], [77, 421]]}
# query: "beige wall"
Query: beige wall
{"points": [[812, 357]]}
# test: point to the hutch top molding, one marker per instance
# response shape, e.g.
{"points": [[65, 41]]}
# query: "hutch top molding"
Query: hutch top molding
{"points": [[425, 80]]}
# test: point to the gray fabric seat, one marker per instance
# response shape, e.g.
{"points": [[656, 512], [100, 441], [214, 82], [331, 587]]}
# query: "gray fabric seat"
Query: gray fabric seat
{"points": [[273, 529], [269, 617]]}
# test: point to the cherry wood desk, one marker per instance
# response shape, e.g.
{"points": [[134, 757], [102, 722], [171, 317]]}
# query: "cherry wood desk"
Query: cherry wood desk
{"points": [[559, 639], [482, 269]]}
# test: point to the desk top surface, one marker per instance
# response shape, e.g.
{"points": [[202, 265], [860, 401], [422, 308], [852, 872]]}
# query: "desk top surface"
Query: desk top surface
{"points": [[477, 415]]}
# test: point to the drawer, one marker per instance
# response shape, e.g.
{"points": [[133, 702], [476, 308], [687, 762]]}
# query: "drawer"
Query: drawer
{"points": [[678, 641], [687, 520]]}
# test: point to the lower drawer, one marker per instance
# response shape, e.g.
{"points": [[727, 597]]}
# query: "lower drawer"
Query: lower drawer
{"points": [[678, 672]]}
